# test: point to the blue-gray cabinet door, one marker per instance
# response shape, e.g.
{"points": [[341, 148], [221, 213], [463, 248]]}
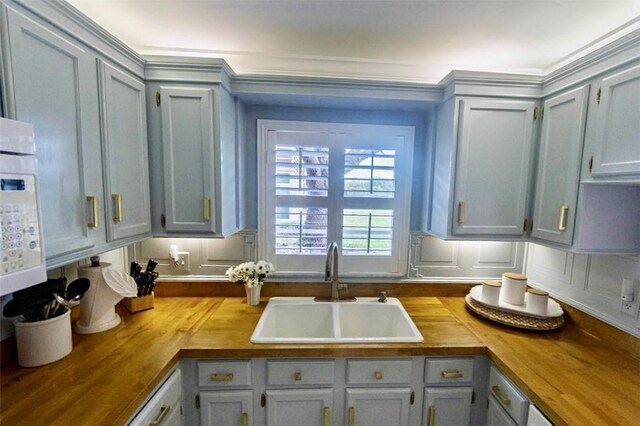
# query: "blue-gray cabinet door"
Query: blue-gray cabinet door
{"points": [[125, 153], [377, 406], [188, 157], [293, 407], [226, 408], [617, 142], [559, 162], [493, 167], [447, 406], [54, 87]]}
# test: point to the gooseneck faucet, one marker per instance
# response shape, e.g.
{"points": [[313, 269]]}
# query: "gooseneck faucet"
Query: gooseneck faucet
{"points": [[331, 270], [331, 274]]}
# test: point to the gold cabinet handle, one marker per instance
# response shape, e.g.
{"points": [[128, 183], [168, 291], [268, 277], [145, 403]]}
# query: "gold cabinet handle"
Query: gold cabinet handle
{"points": [[215, 377], [94, 211], [352, 416], [431, 420], [326, 416], [117, 199], [562, 221], [164, 410], [297, 376], [378, 375], [501, 397], [455, 374], [206, 209], [462, 212], [244, 419]]}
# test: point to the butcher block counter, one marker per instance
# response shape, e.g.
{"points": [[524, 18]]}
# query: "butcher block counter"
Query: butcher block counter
{"points": [[584, 373]]}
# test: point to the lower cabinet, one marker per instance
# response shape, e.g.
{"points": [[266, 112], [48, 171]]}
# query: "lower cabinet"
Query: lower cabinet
{"points": [[333, 391], [507, 404], [164, 407], [226, 408], [378, 406]]}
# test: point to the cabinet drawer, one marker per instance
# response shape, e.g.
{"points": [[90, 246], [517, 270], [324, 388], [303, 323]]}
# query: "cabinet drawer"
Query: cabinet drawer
{"points": [[508, 396], [224, 373], [452, 370], [306, 372], [164, 404], [362, 372]]}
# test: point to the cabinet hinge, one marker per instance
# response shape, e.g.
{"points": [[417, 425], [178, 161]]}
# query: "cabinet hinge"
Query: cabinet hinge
{"points": [[473, 397], [412, 398], [590, 164], [197, 401], [163, 220], [263, 400], [180, 409], [157, 98], [531, 225], [542, 114], [598, 95], [524, 227], [536, 113]]}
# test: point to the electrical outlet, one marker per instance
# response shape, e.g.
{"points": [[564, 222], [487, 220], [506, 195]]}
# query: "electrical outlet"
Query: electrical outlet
{"points": [[630, 308], [182, 264]]}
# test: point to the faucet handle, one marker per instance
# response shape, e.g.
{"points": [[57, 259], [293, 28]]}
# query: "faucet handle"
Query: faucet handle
{"points": [[383, 297]]}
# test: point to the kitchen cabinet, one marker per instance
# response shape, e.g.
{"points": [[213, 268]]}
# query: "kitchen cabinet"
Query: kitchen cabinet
{"points": [[483, 156], [333, 391], [507, 401], [299, 407], [448, 406], [558, 177], [536, 418], [226, 408], [124, 145], [53, 86], [378, 406], [617, 147], [90, 135], [164, 407], [201, 161]]}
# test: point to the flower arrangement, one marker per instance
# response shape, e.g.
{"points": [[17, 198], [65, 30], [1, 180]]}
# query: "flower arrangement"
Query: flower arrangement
{"points": [[250, 274]]}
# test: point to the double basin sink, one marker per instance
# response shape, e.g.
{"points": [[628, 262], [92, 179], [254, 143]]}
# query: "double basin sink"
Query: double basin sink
{"points": [[302, 320]]}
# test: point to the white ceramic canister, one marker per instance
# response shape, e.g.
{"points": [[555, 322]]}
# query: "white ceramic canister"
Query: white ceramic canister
{"points": [[537, 301], [43, 342], [513, 288], [491, 291]]}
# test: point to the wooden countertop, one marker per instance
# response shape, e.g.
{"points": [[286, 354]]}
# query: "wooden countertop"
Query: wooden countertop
{"points": [[574, 377]]}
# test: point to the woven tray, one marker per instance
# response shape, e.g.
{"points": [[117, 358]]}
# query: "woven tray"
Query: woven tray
{"points": [[513, 320]]}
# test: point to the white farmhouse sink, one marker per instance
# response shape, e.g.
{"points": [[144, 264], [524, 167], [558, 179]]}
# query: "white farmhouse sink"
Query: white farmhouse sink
{"points": [[302, 320]]}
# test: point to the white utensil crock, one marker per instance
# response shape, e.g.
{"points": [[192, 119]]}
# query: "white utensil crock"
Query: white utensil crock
{"points": [[43, 342]]}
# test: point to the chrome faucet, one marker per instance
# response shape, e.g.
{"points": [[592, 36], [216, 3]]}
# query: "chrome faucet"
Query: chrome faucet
{"points": [[331, 274]]}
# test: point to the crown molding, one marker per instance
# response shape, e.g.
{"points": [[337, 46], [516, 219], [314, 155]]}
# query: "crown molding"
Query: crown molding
{"points": [[179, 69]]}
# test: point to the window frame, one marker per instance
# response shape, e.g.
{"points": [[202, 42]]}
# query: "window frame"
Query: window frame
{"points": [[338, 136]]}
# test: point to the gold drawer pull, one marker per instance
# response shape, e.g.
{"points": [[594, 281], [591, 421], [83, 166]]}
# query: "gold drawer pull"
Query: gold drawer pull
{"points": [[215, 377], [462, 212], [378, 375], [455, 374], [297, 376], [432, 416], [352, 416], [117, 199], [94, 211], [501, 397], [326, 416], [164, 410], [244, 419], [206, 209], [562, 220]]}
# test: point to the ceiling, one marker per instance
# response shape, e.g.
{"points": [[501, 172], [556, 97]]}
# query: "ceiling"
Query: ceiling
{"points": [[416, 41]]}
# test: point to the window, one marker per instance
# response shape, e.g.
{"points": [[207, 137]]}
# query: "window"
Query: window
{"points": [[324, 182]]}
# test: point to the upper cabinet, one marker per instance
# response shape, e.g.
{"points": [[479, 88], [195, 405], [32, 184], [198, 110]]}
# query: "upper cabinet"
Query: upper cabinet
{"points": [[617, 135], [124, 146], [483, 156], [560, 151], [89, 134], [194, 136]]}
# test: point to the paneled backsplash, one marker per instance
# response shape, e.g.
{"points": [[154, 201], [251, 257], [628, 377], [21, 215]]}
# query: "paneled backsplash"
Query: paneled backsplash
{"points": [[591, 283]]}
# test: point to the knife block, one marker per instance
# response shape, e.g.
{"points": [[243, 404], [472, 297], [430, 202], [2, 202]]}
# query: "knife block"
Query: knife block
{"points": [[137, 304]]}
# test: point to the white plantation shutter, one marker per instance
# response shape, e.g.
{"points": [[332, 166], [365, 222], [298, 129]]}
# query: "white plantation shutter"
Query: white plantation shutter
{"points": [[324, 182]]}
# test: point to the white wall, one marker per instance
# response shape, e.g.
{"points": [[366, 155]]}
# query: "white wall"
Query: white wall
{"points": [[590, 283]]}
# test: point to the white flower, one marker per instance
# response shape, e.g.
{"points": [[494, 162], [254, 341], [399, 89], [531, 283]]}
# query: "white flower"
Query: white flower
{"points": [[251, 274]]}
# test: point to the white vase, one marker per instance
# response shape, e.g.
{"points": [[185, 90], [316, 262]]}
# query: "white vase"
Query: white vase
{"points": [[253, 295]]}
